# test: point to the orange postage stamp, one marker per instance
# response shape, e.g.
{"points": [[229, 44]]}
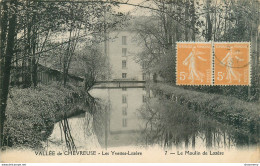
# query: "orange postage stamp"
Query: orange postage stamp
{"points": [[194, 63], [232, 63]]}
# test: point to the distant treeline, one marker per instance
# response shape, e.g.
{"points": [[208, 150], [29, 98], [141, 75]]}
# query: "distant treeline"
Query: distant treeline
{"points": [[201, 21]]}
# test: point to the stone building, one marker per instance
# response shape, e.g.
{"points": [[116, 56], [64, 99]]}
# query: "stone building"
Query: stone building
{"points": [[122, 48]]}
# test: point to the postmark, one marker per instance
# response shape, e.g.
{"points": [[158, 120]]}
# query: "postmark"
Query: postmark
{"points": [[194, 63], [232, 63]]}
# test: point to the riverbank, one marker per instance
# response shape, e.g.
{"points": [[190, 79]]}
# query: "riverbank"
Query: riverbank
{"points": [[223, 108], [32, 112]]}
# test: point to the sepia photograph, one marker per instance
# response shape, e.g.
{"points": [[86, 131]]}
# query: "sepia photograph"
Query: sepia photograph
{"points": [[130, 81]]}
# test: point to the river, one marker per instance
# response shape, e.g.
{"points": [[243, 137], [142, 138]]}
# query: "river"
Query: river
{"points": [[133, 117]]}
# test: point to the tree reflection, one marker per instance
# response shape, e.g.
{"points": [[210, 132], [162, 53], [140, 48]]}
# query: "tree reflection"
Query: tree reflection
{"points": [[91, 105], [169, 123], [67, 135]]}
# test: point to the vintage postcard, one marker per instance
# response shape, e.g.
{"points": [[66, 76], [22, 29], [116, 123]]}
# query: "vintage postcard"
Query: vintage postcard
{"points": [[130, 81]]}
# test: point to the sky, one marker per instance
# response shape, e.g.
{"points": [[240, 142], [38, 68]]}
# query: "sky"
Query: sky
{"points": [[136, 11]]}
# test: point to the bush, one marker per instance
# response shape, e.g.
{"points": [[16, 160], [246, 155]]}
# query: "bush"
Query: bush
{"points": [[31, 113], [229, 109]]}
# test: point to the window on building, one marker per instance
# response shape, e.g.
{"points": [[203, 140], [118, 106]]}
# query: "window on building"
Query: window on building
{"points": [[144, 98], [124, 111], [124, 40], [124, 50], [123, 64], [124, 122], [144, 76], [124, 99], [124, 75]]}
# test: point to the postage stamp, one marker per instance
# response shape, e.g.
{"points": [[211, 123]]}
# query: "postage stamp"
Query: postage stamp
{"points": [[232, 63], [194, 63]]}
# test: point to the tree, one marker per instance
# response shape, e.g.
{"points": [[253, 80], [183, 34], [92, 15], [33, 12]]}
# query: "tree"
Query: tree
{"points": [[8, 29], [27, 32], [35, 22], [93, 65], [234, 21], [172, 21], [79, 27]]}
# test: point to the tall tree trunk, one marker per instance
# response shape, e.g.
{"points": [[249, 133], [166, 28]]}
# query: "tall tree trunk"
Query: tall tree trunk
{"points": [[193, 140], [193, 20], [254, 48], [34, 62], [7, 68], [258, 51], [186, 142], [209, 23], [28, 78], [4, 21], [208, 135], [23, 72], [16, 64], [66, 59], [186, 20]]}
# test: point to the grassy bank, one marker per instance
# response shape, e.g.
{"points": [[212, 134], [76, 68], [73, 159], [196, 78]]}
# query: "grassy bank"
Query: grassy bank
{"points": [[227, 109], [32, 112]]}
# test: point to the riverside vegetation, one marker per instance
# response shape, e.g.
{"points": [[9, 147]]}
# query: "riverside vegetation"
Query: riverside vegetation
{"points": [[32, 112], [177, 117], [222, 108]]}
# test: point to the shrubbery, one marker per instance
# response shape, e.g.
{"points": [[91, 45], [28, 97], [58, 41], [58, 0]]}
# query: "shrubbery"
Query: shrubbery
{"points": [[31, 113], [228, 109]]}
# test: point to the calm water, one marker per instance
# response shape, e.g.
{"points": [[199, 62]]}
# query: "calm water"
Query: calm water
{"points": [[133, 117]]}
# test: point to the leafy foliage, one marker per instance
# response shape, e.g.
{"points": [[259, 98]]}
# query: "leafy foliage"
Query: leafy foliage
{"points": [[189, 20], [31, 113], [227, 109]]}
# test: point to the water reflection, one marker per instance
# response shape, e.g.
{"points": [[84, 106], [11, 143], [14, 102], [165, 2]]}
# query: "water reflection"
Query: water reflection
{"points": [[64, 125], [134, 117], [119, 124], [78, 134], [169, 123]]}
